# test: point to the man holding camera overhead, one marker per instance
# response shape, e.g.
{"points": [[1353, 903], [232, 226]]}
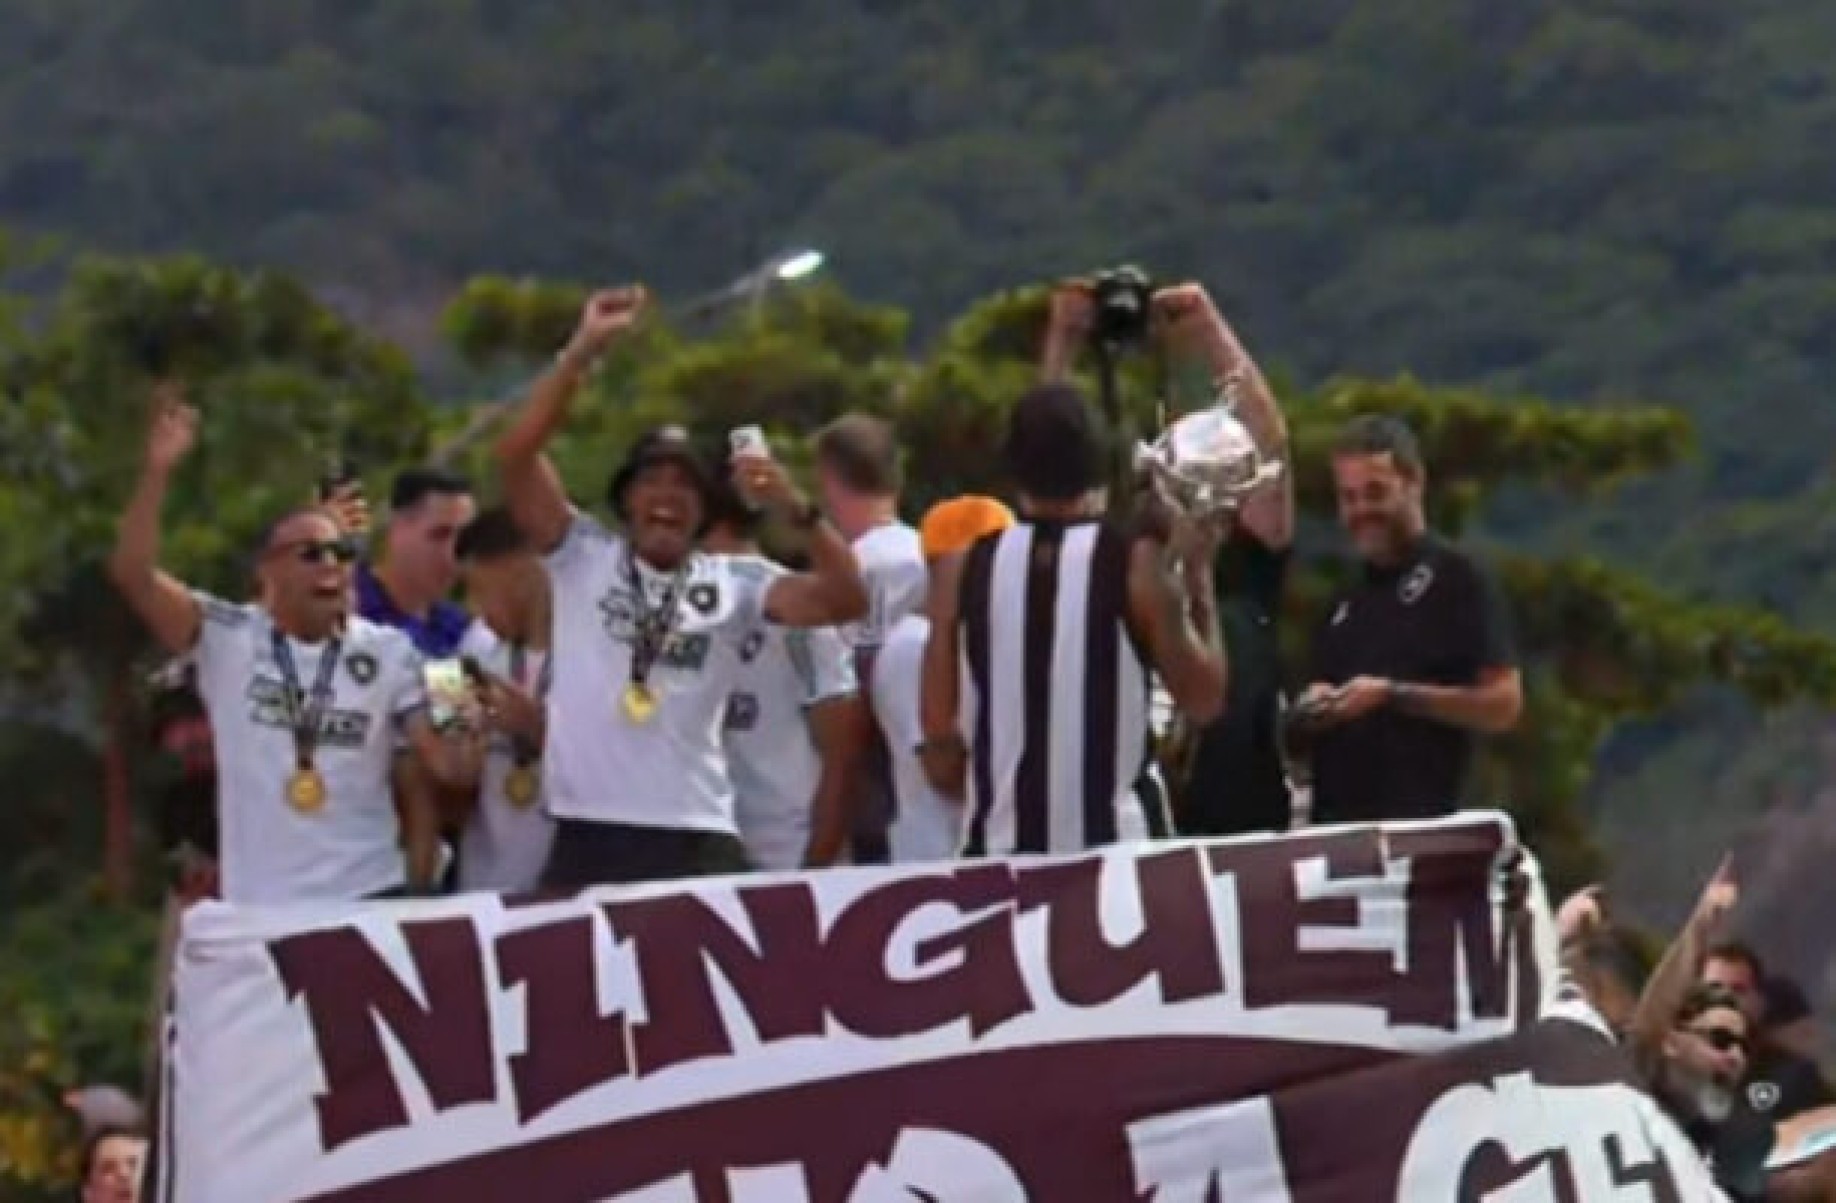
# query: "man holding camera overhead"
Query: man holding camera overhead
{"points": [[648, 631], [306, 703], [1235, 782]]}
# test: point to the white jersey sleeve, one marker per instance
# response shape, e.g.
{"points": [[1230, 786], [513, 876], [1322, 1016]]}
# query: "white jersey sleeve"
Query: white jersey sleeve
{"points": [[580, 549], [222, 634], [408, 685], [823, 664]]}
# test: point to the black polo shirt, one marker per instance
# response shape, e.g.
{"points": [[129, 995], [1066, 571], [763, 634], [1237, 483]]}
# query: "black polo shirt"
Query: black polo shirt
{"points": [[1436, 619], [1236, 783]]}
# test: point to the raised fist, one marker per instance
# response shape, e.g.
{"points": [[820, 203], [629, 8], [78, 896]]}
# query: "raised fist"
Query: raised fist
{"points": [[607, 315], [173, 428]]}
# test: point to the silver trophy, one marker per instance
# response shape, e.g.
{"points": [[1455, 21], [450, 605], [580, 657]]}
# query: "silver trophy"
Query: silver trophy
{"points": [[1207, 462]]}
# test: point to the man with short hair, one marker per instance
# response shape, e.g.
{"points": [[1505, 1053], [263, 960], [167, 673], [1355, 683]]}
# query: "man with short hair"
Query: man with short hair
{"points": [[1779, 1084], [1414, 660], [409, 590], [648, 632], [111, 1168], [796, 725], [306, 703], [858, 479], [927, 825], [1235, 781], [508, 833], [1059, 623]]}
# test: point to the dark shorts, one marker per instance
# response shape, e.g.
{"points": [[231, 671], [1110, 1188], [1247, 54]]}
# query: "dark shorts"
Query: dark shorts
{"points": [[604, 854]]}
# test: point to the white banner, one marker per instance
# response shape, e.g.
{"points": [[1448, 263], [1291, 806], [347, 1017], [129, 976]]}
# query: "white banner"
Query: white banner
{"points": [[1263, 1019]]}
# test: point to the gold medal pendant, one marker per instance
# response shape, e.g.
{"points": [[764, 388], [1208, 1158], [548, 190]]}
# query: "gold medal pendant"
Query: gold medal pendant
{"points": [[640, 702], [522, 784], [306, 790]]}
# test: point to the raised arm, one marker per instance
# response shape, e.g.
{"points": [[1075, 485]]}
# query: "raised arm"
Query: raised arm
{"points": [[532, 487], [1172, 606], [167, 607], [832, 592], [1067, 326], [1681, 967], [1195, 326]]}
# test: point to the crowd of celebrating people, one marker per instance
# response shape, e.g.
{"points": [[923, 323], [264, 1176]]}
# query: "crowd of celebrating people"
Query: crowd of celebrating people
{"points": [[722, 676]]}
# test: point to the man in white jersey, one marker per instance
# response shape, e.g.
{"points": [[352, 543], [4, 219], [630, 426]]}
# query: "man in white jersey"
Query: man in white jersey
{"points": [[307, 704], [795, 722], [857, 471], [648, 632], [928, 825], [508, 834]]}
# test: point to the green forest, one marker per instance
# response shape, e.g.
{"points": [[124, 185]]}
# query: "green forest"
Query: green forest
{"points": [[1587, 248]]}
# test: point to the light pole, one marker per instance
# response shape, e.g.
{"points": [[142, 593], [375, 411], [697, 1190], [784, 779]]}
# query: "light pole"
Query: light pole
{"points": [[784, 268]]}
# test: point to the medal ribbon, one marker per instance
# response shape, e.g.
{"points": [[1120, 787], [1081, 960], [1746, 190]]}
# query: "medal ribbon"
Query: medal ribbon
{"points": [[524, 752], [654, 625], [305, 711]]}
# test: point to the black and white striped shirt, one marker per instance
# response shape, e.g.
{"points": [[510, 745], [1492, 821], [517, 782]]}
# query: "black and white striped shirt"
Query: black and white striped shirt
{"points": [[1056, 693]]}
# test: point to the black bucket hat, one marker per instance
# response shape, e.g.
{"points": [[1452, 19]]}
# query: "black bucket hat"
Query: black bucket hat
{"points": [[664, 445]]}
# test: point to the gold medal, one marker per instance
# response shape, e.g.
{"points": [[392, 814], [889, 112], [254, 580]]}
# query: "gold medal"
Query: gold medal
{"points": [[306, 790], [522, 784], [640, 702]]}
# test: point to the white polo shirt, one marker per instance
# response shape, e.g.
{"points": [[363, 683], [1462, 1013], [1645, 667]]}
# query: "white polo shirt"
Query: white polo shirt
{"points": [[270, 853], [927, 825], [599, 764], [505, 845], [774, 762]]}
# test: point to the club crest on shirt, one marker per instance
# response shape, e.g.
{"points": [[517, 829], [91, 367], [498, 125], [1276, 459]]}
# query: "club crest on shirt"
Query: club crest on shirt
{"points": [[338, 728], [1762, 1095], [704, 598], [1415, 584], [362, 667]]}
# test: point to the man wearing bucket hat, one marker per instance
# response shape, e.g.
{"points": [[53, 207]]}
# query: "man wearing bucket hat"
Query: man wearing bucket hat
{"points": [[648, 631]]}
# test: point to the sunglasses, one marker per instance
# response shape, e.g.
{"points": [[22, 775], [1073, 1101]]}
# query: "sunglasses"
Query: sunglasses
{"points": [[1722, 1040], [317, 551]]}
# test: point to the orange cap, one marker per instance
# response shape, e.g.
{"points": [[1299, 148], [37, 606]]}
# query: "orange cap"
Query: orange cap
{"points": [[952, 526]]}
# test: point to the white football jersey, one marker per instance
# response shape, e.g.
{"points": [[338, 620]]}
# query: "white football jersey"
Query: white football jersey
{"points": [[505, 844], [892, 566], [775, 766], [600, 764], [270, 853], [927, 826]]}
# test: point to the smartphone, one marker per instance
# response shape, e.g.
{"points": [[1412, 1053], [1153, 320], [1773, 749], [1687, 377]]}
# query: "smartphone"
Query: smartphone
{"points": [[448, 691], [748, 440]]}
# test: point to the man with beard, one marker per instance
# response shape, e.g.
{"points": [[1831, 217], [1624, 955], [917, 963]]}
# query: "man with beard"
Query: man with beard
{"points": [[1413, 661], [1779, 1084], [1697, 1078], [648, 632], [306, 703]]}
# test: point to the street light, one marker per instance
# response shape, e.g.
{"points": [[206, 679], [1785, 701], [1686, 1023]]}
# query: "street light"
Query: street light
{"points": [[784, 268]]}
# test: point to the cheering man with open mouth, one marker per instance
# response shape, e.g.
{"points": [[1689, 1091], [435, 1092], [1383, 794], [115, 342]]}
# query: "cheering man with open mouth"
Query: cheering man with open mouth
{"points": [[648, 633], [308, 705]]}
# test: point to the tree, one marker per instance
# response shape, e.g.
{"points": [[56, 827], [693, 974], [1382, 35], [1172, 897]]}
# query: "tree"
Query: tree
{"points": [[285, 383]]}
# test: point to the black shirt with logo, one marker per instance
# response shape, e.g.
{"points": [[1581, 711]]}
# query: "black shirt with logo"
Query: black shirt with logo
{"points": [[1780, 1085], [1437, 618]]}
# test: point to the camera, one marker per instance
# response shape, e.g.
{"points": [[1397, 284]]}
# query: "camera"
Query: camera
{"points": [[1122, 300]]}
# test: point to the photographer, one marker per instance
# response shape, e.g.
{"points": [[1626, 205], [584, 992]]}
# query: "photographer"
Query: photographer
{"points": [[1235, 783]]}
